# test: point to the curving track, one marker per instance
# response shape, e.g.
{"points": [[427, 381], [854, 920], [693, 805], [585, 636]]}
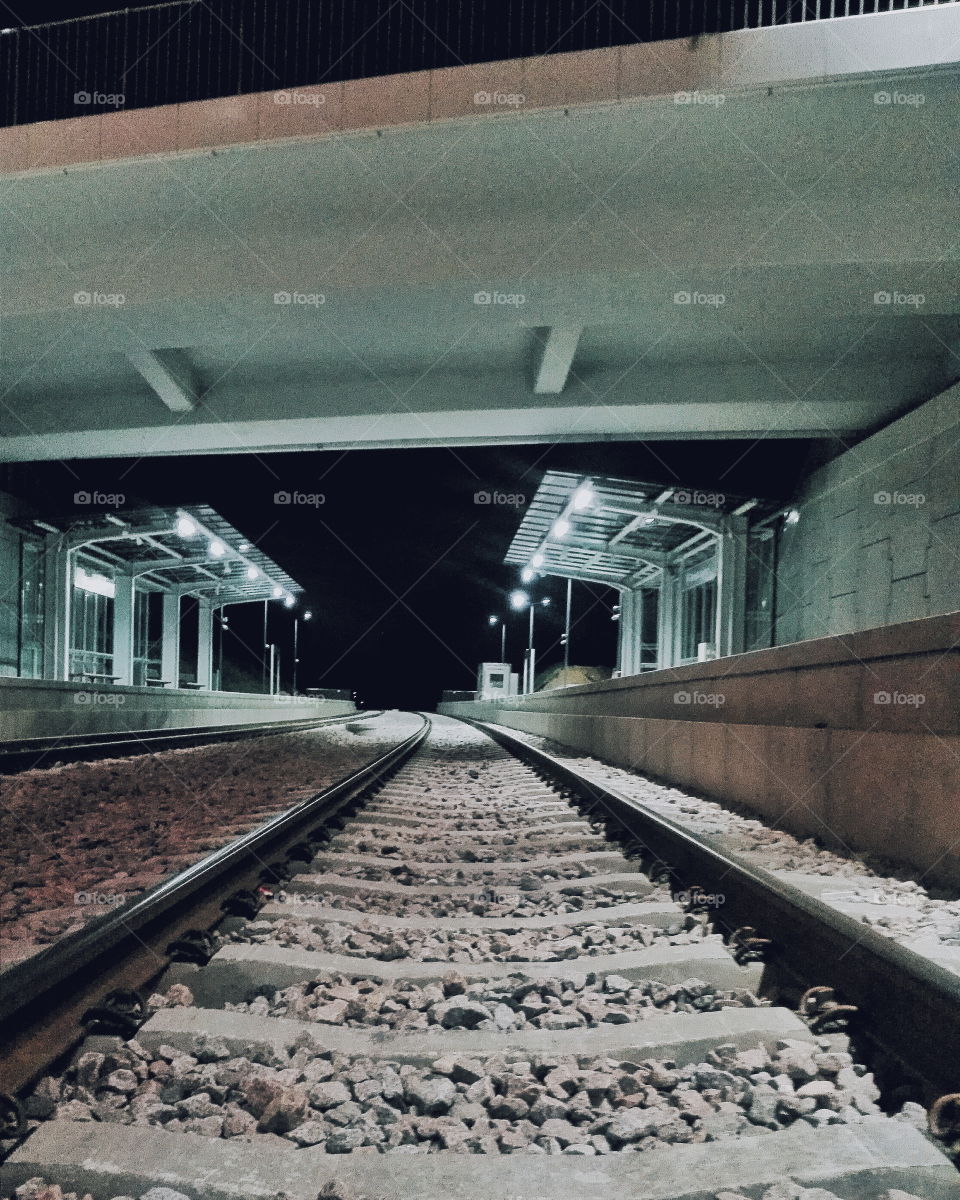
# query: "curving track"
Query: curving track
{"points": [[473, 990]]}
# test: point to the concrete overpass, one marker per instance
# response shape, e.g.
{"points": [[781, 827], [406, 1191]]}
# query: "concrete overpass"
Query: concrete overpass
{"points": [[748, 234]]}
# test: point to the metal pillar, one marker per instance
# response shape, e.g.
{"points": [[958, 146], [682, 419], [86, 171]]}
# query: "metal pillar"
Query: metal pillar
{"points": [[124, 606], [731, 586], [170, 640], [667, 618], [624, 630], [205, 644], [58, 609]]}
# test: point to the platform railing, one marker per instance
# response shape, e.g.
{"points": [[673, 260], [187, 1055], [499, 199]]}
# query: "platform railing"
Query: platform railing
{"points": [[184, 50]]}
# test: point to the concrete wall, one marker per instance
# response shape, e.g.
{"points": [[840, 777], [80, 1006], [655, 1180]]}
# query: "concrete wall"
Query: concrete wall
{"points": [[32, 708], [803, 736], [878, 538]]}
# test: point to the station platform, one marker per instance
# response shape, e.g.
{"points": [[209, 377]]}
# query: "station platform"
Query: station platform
{"points": [[852, 739], [41, 708]]}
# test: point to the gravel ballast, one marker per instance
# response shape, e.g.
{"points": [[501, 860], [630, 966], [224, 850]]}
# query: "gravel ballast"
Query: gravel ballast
{"points": [[499, 1105]]}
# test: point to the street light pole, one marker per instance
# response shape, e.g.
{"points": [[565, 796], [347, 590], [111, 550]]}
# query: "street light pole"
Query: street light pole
{"points": [[566, 630], [263, 675], [296, 661], [530, 652]]}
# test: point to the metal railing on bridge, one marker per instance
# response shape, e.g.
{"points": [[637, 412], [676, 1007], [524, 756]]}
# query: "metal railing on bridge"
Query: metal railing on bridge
{"points": [[184, 50]]}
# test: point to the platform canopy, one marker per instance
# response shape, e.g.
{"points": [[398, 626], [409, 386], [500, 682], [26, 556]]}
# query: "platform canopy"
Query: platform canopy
{"points": [[190, 551], [619, 532]]}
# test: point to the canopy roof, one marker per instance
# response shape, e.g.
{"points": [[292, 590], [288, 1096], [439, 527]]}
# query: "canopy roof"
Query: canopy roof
{"points": [[193, 551], [620, 532]]}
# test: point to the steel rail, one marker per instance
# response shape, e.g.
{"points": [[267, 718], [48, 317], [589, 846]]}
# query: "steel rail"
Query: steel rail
{"points": [[908, 1004], [25, 753], [42, 999]]}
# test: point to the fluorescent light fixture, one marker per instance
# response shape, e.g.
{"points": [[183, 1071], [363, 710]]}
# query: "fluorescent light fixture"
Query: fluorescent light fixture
{"points": [[519, 599], [583, 497], [92, 582], [561, 527], [186, 527]]}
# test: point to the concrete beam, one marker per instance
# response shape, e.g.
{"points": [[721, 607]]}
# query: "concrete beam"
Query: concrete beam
{"points": [[171, 375], [503, 426], [556, 360]]}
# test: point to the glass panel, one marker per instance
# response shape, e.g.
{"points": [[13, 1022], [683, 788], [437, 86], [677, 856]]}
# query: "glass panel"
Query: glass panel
{"points": [[91, 645], [31, 615]]}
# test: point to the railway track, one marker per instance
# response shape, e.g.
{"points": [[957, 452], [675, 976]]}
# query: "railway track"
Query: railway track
{"points": [[473, 954]]}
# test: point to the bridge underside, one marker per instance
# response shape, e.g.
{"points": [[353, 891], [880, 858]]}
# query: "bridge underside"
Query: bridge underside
{"points": [[770, 252]]}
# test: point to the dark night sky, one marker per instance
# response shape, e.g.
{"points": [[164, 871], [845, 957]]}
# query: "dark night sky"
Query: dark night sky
{"points": [[401, 568]]}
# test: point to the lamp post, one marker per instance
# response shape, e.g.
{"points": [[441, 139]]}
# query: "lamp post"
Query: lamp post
{"points": [[503, 635], [296, 629], [520, 600], [566, 627]]}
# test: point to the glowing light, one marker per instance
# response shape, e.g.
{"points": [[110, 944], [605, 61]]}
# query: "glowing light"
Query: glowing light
{"points": [[186, 527], [244, 546], [217, 549], [537, 560], [583, 497], [561, 528], [98, 584], [528, 574], [545, 601], [493, 620], [277, 593], [289, 601], [792, 517], [519, 599], [252, 573], [307, 615]]}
